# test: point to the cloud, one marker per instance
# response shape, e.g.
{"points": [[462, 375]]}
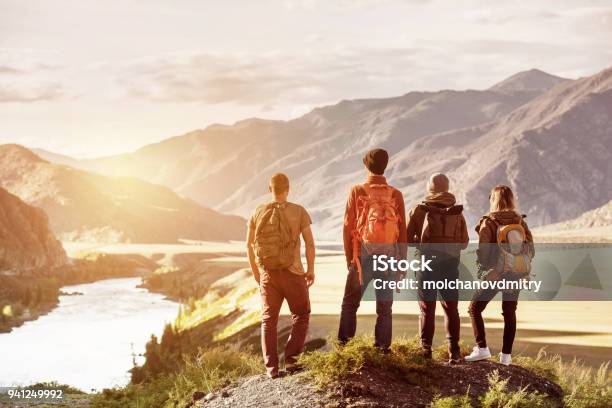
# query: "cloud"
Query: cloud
{"points": [[214, 79], [341, 5], [491, 15], [314, 77], [5, 69], [267, 79], [25, 77], [20, 91]]}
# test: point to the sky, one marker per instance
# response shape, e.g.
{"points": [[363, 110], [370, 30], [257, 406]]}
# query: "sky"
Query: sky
{"points": [[92, 78]]}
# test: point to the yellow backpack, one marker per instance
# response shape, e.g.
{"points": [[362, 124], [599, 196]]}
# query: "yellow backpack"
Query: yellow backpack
{"points": [[514, 260]]}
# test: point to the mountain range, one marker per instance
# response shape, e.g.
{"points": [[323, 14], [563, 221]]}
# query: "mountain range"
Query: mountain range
{"points": [[85, 206], [545, 136]]}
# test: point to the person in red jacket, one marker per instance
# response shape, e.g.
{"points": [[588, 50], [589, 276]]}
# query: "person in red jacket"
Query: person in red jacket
{"points": [[360, 273]]}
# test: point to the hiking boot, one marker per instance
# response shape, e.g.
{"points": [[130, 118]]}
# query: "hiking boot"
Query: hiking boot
{"points": [[479, 353], [426, 353], [505, 359], [293, 368], [455, 357]]}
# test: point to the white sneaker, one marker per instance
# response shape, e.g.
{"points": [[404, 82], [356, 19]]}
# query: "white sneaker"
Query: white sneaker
{"points": [[505, 359], [479, 354]]}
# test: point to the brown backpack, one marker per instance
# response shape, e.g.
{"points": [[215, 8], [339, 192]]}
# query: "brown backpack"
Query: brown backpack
{"points": [[274, 245], [442, 226]]}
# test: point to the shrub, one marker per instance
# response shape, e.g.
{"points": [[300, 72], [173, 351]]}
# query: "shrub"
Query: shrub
{"points": [[462, 401], [583, 387], [54, 385], [208, 371], [211, 370], [498, 396], [543, 365]]}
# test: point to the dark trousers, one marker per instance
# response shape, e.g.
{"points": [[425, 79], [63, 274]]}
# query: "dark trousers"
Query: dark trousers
{"points": [[479, 302], [275, 286], [448, 269], [353, 292]]}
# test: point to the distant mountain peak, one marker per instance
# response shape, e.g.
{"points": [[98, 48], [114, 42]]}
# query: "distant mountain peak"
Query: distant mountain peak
{"points": [[530, 80]]}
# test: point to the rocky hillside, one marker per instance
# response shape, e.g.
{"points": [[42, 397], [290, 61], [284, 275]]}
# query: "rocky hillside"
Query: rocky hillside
{"points": [[554, 151], [592, 226], [545, 136], [599, 217], [26, 241], [373, 387], [90, 207]]}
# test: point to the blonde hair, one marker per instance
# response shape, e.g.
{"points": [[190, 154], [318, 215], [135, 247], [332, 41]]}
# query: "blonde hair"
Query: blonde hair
{"points": [[502, 198]]}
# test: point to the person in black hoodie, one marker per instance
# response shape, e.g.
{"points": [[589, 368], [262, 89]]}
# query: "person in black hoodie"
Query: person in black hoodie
{"points": [[502, 212], [438, 230]]}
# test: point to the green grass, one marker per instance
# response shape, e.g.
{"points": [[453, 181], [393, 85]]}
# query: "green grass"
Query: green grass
{"points": [[498, 396], [211, 370], [208, 371], [583, 386], [543, 365], [456, 401], [326, 367]]}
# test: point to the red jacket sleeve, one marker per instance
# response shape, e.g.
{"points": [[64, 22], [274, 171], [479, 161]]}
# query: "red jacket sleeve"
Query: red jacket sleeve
{"points": [[350, 221]]}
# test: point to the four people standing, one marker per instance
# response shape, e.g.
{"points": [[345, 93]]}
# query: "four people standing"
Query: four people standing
{"points": [[375, 214]]}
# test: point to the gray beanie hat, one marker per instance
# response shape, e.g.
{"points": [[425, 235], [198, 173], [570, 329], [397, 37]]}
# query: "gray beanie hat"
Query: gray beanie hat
{"points": [[438, 183]]}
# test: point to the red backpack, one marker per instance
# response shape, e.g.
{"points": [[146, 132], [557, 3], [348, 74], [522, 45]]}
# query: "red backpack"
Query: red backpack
{"points": [[377, 221]]}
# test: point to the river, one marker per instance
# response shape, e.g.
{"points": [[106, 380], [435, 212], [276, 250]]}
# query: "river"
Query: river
{"points": [[89, 340]]}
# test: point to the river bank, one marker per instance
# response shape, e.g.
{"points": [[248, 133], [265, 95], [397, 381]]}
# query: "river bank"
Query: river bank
{"points": [[90, 341], [26, 296]]}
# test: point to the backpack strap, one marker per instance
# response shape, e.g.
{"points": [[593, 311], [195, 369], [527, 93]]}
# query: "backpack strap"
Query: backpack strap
{"points": [[284, 224], [419, 214], [266, 217], [486, 218]]}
